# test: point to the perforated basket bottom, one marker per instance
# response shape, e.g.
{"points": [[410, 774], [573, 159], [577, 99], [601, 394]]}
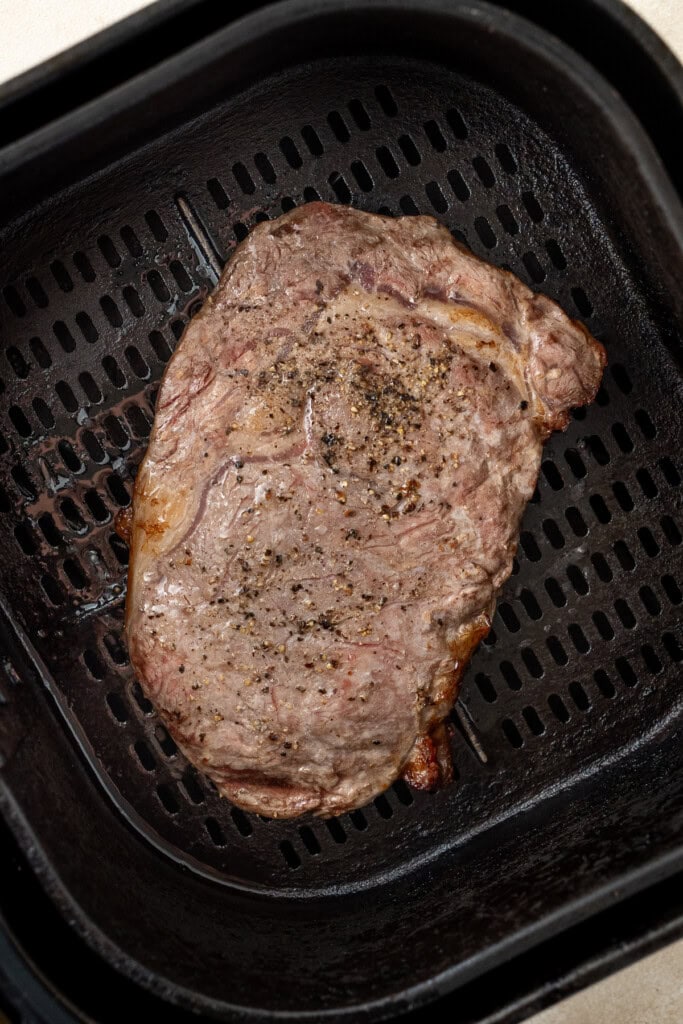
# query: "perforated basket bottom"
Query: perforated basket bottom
{"points": [[582, 659]]}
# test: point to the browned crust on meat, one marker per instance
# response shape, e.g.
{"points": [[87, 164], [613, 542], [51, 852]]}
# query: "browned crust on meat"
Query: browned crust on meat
{"points": [[464, 647], [429, 764]]}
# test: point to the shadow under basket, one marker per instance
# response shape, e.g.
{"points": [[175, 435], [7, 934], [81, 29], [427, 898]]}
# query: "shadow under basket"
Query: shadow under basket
{"points": [[567, 753]]}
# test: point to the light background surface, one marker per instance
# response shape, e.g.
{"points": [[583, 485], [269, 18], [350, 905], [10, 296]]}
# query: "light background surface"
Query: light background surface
{"points": [[648, 992], [33, 30]]}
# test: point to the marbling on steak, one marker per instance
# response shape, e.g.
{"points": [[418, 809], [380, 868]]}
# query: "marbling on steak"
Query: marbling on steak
{"points": [[345, 441]]}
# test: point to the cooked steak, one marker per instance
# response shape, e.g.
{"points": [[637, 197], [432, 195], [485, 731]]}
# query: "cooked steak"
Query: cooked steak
{"points": [[344, 443]]}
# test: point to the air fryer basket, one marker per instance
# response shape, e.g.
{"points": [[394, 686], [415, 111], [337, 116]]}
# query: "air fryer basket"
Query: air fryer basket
{"points": [[566, 749]]}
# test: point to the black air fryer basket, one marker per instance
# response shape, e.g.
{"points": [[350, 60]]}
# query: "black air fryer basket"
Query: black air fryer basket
{"points": [[118, 211]]}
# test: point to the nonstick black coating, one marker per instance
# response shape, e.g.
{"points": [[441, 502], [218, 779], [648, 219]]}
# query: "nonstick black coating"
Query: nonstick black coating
{"points": [[581, 674]]}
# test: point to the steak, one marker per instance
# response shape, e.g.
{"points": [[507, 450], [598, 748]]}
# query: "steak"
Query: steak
{"points": [[345, 441]]}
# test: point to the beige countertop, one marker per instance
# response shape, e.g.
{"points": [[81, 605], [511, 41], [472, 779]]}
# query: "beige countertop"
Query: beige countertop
{"points": [[34, 30], [648, 992], [651, 990]]}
